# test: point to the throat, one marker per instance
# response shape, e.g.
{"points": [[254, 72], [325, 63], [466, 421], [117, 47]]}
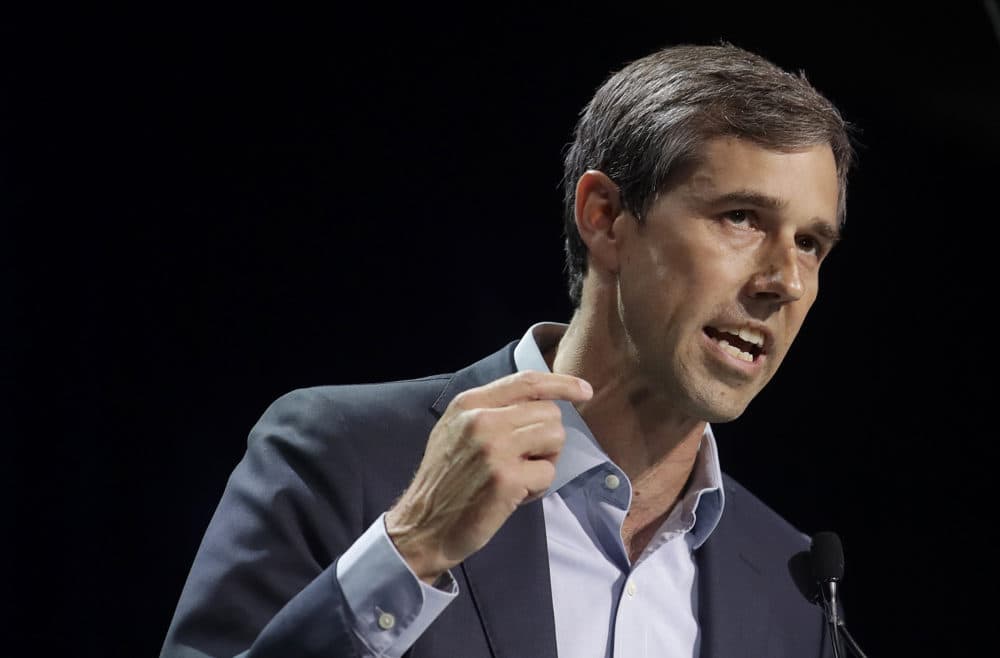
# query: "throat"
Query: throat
{"points": [[637, 532], [655, 497]]}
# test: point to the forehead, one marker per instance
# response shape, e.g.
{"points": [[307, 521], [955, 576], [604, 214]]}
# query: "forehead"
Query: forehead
{"points": [[803, 180]]}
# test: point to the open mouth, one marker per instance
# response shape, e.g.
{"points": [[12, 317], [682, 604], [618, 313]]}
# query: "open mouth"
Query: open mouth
{"points": [[744, 343]]}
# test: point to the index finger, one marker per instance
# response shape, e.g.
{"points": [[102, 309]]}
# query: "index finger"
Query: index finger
{"points": [[528, 385]]}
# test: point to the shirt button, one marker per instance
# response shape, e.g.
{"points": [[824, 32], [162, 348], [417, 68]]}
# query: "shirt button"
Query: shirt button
{"points": [[630, 589], [612, 481], [386, 621]]}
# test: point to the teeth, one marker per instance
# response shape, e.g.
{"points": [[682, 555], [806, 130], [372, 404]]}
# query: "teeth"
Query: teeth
{"points": [[752, 336], [747, 334], [735, 351]]}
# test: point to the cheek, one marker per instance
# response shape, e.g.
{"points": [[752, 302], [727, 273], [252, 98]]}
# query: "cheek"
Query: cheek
{"points": [[658, 269], [720, 280]]}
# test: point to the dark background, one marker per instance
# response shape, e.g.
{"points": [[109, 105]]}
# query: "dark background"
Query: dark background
{"points": [[201, 212]]}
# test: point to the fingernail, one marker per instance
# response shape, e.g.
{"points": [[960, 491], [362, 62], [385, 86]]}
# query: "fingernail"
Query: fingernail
{"points": [[586, 387]]}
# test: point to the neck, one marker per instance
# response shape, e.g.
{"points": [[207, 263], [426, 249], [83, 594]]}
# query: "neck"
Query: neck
{"points": [[636, 423]]}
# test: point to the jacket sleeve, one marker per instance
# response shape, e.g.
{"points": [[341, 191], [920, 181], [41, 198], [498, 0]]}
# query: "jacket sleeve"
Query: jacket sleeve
{"points": [[265, 579]]}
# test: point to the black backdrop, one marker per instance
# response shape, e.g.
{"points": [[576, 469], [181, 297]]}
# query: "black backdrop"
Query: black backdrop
{"points": [[201, 212]]}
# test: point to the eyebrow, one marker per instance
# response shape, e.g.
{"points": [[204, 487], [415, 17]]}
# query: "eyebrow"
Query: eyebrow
{"points": [[822, 227]]}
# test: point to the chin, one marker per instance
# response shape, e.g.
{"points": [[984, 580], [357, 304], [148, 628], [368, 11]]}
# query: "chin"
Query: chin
{"points": [[720, 408], [717, 416]]}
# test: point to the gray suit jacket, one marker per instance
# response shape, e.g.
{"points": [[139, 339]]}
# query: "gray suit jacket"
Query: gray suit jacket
{"points": [[323, 463]]}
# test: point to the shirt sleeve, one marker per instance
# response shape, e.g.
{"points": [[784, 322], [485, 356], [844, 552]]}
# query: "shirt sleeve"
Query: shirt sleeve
{"points": [[391, 607]]}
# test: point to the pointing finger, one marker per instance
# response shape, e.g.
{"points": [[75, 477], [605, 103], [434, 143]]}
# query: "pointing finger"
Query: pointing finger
{"points": [[523, 386]]}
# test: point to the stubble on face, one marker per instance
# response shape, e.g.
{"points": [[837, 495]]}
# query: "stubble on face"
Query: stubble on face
{"points": [[694, 263]]}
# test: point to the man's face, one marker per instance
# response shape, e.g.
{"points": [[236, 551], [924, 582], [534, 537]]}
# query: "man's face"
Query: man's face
{"points": [[729, 255]]}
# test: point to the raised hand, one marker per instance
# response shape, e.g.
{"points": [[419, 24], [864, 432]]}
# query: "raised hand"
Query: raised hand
{"points": [[492, 450]]}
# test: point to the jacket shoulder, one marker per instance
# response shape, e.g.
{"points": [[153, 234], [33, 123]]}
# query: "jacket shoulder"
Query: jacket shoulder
{"points": [[374, 433], [322, 409], [765, 524]]}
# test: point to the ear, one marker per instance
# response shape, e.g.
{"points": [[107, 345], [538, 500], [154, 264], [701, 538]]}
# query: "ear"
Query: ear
{"points": [[598, 204]]}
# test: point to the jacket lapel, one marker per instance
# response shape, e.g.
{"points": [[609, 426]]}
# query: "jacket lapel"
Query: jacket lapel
{"points": [[732, 608], [509, 583], [509, 577]]}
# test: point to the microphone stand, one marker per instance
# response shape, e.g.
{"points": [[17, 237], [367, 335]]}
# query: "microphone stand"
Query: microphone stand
{"points": [[838, 629], [851, 643], [832, 609]]}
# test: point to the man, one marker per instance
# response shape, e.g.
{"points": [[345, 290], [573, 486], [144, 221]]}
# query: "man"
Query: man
{"points": [[567, 497]]}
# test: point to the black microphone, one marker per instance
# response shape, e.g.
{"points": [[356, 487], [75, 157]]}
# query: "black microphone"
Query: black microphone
{"points": [[827, 555], [827, 558]]}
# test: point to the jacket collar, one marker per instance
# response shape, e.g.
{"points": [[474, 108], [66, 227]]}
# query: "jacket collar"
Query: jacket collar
{"points": [[496, 365]]}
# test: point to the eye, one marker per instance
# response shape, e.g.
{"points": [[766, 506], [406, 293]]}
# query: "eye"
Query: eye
{"points": [[809, 244], [739, 217]]}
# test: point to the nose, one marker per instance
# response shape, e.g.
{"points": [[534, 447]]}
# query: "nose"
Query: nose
{"points": [[778, 278]]}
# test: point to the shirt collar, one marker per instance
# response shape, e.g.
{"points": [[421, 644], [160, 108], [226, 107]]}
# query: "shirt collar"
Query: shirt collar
{"points": [[582, 452], [705, 493]]}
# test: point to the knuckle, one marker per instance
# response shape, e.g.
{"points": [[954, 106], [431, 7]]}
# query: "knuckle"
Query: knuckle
{"points": [[530, 379], [476, 428], [499, 480], [461, 402], [474, 421], [529, 376], [552, 410], [485, 448], [555, 436]]}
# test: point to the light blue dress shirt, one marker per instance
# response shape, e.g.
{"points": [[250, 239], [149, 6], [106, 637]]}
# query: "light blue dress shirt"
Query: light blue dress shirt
{"points": [[604, 605]]}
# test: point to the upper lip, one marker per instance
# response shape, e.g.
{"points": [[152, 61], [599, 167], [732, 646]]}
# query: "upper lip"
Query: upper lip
{"points": [[734, 326]]}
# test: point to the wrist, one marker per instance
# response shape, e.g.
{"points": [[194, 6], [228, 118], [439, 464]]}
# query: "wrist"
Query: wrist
{"points": [[413, 546]]}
